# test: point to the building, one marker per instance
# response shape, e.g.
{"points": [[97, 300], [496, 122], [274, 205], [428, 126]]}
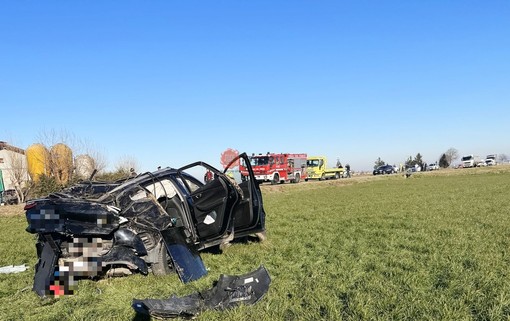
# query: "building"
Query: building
{"points": [[13, 166]]}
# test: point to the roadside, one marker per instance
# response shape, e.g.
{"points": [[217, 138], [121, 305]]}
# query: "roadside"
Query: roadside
{"points": [[357, 179], [11, 210]]}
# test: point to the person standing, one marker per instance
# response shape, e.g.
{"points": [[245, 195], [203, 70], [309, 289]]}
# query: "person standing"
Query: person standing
{"points": [[208, 176]]}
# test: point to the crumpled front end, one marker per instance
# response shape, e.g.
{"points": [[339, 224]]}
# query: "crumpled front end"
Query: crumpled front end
{"points": [[79, 239]]}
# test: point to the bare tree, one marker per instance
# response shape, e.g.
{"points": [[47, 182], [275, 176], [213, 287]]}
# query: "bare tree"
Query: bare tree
{"points": [[52, 137], [503, 158], [451, 155], [80, 147], [61, 144], [127, 164], [99, 161]]}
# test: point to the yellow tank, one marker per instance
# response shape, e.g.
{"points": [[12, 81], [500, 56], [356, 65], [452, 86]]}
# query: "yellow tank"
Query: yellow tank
{"points": [[37, 161], [61, 163]]}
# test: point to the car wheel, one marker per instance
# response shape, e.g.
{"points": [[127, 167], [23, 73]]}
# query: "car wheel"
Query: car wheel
{"points": [[337, 175], [296, 180], [276, 179], [164, 265], [322, 177]]}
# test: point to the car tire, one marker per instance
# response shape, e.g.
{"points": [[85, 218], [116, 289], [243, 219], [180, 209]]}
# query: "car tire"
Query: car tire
{"points": [[322, 177], [276, 179], [164, 265], [337, 175], [296, 179]]}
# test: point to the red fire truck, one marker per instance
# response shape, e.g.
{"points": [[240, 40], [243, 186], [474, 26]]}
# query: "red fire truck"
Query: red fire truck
{"points": [[278, 168]]}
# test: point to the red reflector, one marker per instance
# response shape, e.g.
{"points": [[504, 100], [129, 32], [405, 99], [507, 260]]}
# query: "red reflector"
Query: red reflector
{"points": [[29, 206]]}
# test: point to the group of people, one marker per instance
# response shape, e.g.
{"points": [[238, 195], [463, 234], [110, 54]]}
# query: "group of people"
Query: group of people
{"points": [[347, 168]]}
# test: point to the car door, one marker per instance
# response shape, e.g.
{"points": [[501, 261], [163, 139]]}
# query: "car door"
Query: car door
{"points": [[248, 212], [210, 199], [223, 202]]}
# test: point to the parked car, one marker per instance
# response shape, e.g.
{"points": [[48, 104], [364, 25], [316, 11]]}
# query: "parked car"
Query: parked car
{"points": [[9, 197], [432, 167], [413, 168], [154, 222], [384, 169], [481, 163]]}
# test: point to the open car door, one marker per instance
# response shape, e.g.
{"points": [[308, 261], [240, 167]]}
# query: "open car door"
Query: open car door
{"points": [[210, 199], [248, 213], [223, 203]]}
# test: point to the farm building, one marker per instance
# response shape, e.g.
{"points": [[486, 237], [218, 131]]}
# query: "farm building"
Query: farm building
{"points": [[13, 166]]}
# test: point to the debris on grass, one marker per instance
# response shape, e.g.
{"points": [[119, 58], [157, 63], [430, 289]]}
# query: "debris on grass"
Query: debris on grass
{"points": [[13, 269], [229, 291]]}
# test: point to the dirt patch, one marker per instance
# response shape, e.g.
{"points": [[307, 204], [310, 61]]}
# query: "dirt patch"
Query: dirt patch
{"points": [[11, 210]]}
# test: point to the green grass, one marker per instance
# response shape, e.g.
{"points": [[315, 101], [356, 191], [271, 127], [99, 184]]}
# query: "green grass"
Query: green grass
{"points": [[432, 247]]}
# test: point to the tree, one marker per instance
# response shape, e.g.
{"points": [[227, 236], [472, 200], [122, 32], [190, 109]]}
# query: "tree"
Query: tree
{"points": [[98, 159], [443, 162], [77, 146], [126, 164], [503, 158], [379, 162], [409, 162], [418, 160], [451, 155], [46, 185], [61, 147]]}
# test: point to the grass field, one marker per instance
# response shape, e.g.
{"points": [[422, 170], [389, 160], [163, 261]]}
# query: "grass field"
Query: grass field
{"points": [[431, 247]]}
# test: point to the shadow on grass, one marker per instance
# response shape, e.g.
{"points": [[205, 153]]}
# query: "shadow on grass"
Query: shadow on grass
{"points": [[141, 317]]}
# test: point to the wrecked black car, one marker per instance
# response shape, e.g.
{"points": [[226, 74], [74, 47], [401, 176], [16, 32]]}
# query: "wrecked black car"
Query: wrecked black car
{"points": [[154, 222]]}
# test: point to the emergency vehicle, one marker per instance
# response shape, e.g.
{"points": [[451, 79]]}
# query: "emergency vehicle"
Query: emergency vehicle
{"points": [[278, 168], [317, 169]]}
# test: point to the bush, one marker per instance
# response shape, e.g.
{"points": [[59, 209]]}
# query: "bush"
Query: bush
{"points": [[46, 185], [119, 174]]}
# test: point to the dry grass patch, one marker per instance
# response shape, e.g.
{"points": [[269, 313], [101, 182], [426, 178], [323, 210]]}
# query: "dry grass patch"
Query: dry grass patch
{"points": [[11, 210]]}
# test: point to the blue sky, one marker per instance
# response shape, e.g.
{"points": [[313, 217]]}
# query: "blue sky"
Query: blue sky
{"points": [[171, 82]]}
